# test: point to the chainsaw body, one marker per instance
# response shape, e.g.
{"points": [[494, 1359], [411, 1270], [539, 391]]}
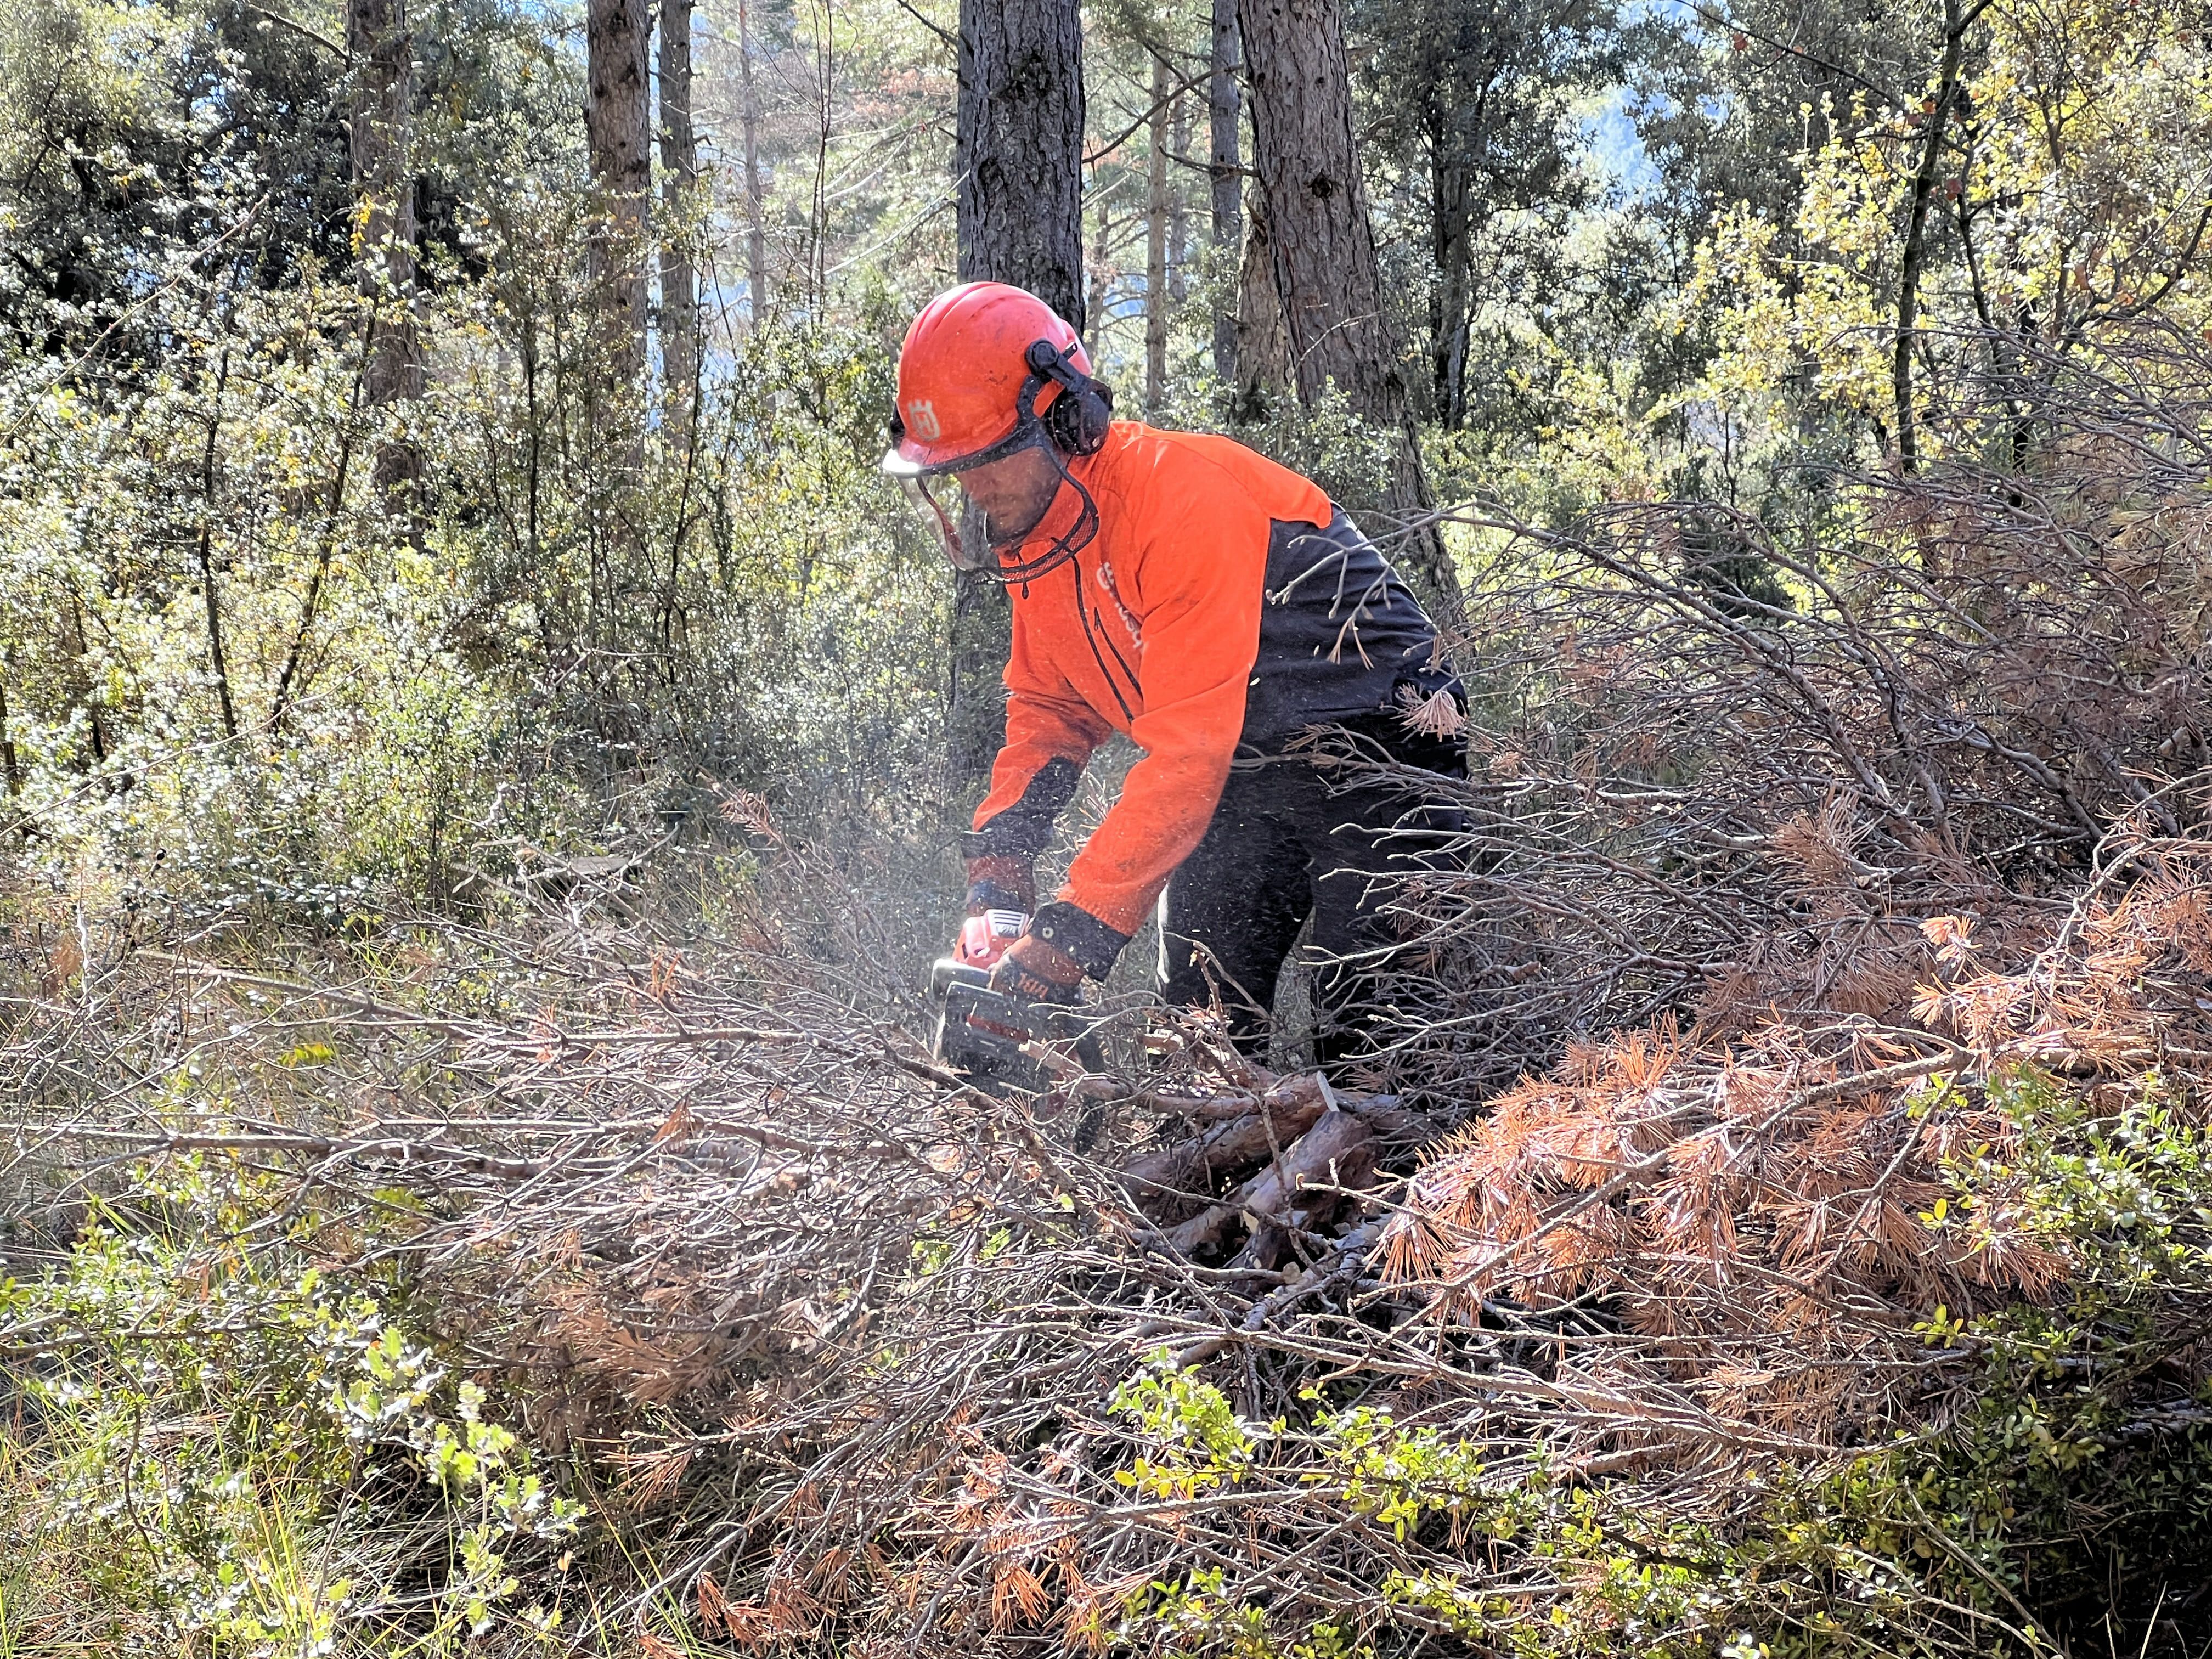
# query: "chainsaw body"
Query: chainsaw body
{"points": [[992, 1035]]}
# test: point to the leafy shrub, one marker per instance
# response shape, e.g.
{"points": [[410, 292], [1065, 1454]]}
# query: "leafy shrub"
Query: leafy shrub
{"points": [[216, 1440]]}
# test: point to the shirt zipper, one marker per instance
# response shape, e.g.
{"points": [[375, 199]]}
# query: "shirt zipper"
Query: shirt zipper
{"points": [[1091, 638]]}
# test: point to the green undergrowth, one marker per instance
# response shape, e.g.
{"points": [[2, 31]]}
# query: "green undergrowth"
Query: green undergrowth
{"points": [[214, 1442]]}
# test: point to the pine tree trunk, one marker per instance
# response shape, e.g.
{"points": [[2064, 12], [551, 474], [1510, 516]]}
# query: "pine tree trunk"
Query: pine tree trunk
{"points": [[1102, 251], [1261, 352], [1179, 208], [1317, 203], [1453, 296], [1156, 245], [679, 165], [617, 122], [1225, 171], [377, 146], [755, 231], [1324, 260], [1018, 170], [1018, 147]]}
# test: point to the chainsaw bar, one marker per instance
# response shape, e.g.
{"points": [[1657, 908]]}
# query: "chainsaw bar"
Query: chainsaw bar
{"points": [[1004, 1043]]}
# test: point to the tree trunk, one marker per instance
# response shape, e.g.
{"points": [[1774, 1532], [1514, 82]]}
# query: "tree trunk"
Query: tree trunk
{"points": [[1260, 352], [377, 145], [1102, 249], [1156, 245], [1453, 296], [8, 750], [679, 165], [1179, 208], [1018, 148], [1956, 22], [1225, 171], [755, 231], [1316, 205], [976, 712], [1324, 260], [83, 686], [1018, 171], [617, 125], [218, 666]]}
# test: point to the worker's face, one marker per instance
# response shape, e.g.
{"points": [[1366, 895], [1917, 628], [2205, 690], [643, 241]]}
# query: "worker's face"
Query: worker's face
{"points": [[1014, 492]]}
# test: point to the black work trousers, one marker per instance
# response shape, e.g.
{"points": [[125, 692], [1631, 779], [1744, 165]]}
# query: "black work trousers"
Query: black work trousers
{"points": [[1288, 841]]}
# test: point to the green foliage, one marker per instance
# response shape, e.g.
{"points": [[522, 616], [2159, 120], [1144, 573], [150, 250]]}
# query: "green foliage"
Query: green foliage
{"points": [[214, 1439], [2084, 1452], [1200, 1442]]}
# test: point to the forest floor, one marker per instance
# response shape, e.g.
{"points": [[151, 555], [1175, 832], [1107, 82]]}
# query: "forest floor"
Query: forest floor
{"points": [[602, 1278]]}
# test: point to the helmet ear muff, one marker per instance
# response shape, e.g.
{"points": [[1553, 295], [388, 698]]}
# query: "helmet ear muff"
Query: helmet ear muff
{"points": [[1077, 421]]}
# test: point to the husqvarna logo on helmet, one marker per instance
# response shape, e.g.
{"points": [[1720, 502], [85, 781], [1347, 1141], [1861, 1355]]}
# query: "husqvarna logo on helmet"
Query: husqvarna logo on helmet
{"points": [[921, 417]]}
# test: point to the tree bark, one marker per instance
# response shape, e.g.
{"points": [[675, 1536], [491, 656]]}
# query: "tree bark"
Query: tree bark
{"points": [[1018, 162], [1448, 321], [1018, 148], [756, 229], [1156, 244], [1260, 351], [218, 666], [384, 187], [679, 165], [1179, 208], [1225, 171], [1102, 247], [1323, 253], [975, 711], [617, 125], [1316, 205], [8, 749]]}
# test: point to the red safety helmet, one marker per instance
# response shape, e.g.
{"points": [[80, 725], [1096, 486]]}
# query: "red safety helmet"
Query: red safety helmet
{"points": [[962, 370], [988, 369]]}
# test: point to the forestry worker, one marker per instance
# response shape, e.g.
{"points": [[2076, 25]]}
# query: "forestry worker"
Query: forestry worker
{"points": [[1211, 605]]}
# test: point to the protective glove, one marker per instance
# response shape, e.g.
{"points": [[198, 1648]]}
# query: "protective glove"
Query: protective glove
{"points": [[1038, 971], [1000, 881]]}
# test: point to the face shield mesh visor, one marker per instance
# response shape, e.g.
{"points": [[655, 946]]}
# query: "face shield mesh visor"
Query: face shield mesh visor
{"points": [[954, 517]]}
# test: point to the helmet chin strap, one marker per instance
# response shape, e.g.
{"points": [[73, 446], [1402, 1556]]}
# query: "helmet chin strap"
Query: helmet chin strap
{"points": [[1070, 542], [1047, 368]]}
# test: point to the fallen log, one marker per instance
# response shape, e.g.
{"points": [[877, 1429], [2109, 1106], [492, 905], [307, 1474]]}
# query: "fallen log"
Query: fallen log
{"points": [[1188, 1169], [1339, 1152]]}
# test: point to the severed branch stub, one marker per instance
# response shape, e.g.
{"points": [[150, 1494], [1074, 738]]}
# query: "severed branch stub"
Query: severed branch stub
{"points": [[1338, 1152], [1273, 1159]]}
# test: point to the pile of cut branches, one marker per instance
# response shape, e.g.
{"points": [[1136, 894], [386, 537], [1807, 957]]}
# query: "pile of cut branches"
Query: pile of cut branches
{"points": [[869, 1357], [1725, 769]]}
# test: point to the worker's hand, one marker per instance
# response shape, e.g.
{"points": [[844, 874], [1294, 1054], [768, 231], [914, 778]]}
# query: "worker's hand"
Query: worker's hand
{"points": [[1037, 970], [1000, 881]]}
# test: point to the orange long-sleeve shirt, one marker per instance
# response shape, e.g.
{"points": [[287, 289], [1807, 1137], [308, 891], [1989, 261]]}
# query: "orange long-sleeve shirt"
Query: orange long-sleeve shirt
{"points": [[1155, 629]]}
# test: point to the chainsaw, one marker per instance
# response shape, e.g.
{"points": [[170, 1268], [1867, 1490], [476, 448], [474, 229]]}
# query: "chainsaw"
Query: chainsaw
{"points": [[1002, 1042]]}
